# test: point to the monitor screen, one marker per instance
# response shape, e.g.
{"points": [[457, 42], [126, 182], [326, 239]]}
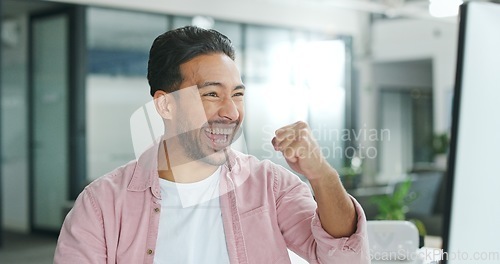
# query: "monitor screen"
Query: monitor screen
{"points": [[472, 216]]}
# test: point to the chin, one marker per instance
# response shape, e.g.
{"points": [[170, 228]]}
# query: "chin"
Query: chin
{"points": [[216, 158]]}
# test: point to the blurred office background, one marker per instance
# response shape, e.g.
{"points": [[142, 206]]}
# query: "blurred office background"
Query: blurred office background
{"points": [[374, 80]]}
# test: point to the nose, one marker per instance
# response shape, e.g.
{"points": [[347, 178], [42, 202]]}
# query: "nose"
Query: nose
{"points": [[229, 110]]}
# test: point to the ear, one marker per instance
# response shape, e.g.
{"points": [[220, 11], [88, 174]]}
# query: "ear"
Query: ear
{"points": [[164, 104]]}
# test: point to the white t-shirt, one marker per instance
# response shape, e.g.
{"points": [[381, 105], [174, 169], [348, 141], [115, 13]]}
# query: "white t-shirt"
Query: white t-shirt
{"points": [[191, 230]]}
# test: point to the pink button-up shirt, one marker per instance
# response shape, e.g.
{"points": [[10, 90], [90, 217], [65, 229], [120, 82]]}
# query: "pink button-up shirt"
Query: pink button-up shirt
{"points": [[265, 208]]}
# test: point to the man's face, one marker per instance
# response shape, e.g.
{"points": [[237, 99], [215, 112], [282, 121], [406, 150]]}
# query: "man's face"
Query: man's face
{"points": [[204, 135]]}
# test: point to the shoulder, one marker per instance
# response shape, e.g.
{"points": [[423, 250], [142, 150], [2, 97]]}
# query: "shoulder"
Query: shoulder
{"points": [[113, 182]]}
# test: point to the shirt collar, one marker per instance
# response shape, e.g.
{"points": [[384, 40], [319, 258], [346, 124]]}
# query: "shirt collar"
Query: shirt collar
{"points": [[146, 175]]}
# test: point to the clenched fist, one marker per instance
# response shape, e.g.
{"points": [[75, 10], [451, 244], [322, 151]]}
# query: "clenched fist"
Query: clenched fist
{"points": [[301, 150]]}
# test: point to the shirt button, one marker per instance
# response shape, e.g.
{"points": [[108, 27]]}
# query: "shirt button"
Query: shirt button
{"points": [[150, 251], [157, 210]]}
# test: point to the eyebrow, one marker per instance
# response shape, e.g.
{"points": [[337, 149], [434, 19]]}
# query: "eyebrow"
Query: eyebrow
{"points": [[205, 84]]}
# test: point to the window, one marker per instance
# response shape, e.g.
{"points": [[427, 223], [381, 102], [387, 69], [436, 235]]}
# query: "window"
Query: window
{"points": [[118, 44]]}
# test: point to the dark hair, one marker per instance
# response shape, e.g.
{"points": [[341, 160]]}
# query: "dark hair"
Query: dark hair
{"points": [[175, 47]]}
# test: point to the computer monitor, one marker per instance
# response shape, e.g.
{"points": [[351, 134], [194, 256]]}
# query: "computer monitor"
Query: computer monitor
{"points": [[472, 215]]}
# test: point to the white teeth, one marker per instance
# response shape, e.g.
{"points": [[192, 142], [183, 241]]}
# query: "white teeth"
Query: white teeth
{"points": [[224, 140], [220, 131]]}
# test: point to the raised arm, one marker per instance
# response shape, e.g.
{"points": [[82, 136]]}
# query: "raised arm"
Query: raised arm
{"points": [[338, 216]]}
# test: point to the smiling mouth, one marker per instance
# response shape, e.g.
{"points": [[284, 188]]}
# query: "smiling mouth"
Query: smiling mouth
{"points": [[219, 137]]}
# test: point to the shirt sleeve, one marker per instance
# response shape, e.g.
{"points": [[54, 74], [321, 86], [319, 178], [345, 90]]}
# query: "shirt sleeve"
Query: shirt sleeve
{"points": [[82, 235], [301, 226]]}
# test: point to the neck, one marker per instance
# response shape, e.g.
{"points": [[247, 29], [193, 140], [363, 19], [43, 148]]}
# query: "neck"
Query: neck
{"points": [[187, 173], [180, 169]]}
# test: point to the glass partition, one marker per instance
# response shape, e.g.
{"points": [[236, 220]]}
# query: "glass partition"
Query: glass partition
{"points": [[49, 128], [14, 111], [118, 44]]}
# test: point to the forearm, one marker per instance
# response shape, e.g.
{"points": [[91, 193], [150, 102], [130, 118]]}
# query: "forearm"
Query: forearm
{"points": [[301, 151], [335, 208]]}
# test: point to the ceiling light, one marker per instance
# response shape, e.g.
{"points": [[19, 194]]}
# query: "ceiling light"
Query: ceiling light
{"points": [[444, 8]]}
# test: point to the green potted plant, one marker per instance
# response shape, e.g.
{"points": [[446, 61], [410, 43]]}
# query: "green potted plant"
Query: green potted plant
{"points": [[440, 144], [395, 206]]}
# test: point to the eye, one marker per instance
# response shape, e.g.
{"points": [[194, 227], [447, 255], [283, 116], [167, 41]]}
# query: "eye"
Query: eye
{"points": [[211, 94], [238, 94]]}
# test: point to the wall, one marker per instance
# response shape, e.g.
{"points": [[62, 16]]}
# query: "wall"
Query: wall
{"points": [[395, 82], [393, 47], [404, 40], [406, 74]]}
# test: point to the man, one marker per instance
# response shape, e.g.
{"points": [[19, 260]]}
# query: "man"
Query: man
{"points": [[192, 199]]}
